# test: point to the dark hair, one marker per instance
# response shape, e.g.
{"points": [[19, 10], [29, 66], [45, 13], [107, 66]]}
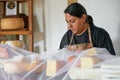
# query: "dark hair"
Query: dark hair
{"points": [[75, 9], [90, 20]]}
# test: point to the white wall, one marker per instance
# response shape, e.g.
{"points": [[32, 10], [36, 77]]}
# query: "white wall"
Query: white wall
{"points": [[55, 22], [38, 25], [105, 14]]}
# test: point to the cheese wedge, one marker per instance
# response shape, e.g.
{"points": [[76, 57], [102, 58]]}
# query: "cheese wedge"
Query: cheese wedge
{"points": [[51, 68], [89, 62]]}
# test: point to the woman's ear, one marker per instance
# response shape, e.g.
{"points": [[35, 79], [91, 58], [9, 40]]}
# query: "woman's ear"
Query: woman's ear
{"points": [[84, 16]]}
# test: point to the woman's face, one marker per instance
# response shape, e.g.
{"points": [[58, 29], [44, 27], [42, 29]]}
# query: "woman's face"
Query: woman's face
{"points": [[74, 23]]}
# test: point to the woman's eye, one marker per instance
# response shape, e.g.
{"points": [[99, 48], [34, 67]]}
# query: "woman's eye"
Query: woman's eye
{"points": [[66, 21], [73, 21]]}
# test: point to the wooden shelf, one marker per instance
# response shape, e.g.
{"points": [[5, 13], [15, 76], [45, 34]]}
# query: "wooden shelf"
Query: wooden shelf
{"points": [[15, 0], [28, 30], [15, 32]]}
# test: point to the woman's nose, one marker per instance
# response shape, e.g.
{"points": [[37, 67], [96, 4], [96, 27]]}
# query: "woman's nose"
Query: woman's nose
{"points": [[69, 25]]}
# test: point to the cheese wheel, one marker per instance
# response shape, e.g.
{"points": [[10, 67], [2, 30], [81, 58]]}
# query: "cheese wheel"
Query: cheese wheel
{"points": [[14, 43], [12, 23]]}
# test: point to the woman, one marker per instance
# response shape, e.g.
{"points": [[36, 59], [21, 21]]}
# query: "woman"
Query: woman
{"points": [[82, 32]]}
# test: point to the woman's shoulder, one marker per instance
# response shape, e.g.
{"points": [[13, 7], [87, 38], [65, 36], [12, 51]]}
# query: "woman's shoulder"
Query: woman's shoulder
{"points": [[98, 30]]}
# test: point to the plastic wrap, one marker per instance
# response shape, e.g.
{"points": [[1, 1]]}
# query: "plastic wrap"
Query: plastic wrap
{"points": [[63, 64]]}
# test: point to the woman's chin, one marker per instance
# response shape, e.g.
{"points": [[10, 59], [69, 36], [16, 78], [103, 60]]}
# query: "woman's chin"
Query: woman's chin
{"points": [[74, 32]]}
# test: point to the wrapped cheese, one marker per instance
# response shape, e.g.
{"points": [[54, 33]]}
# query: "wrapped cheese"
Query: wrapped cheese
{"points": [[84, 73]]}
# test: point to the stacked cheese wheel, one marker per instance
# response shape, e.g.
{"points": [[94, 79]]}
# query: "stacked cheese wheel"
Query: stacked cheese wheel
{"points": [[12, 23]]}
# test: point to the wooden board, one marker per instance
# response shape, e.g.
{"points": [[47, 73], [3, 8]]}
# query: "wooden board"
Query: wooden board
{"points": [[1, 9], [71, 1]]}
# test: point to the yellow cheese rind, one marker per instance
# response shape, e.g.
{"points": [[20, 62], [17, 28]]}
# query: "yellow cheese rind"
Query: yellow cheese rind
{"points": [[12, 23]]}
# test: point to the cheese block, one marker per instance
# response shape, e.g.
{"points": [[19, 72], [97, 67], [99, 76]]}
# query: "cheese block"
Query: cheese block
{"points": [[90, 52], [51, 67], [12, 23], [13, 67], [89, 62], [78, 73]]}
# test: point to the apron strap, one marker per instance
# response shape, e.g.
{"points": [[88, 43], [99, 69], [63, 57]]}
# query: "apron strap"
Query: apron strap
{"points": [[89, 34], [90, 38], [71, 39]]}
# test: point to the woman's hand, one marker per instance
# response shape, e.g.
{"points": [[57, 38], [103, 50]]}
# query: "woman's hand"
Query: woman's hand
{"points": [[78, 47]]}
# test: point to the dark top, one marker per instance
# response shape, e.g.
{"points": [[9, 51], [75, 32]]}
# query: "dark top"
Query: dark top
{"points": [[100, 39]]}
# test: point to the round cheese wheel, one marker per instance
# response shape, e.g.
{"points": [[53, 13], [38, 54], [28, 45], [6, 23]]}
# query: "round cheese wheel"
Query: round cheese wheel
{"points": [[14, 43], [12, 23]]}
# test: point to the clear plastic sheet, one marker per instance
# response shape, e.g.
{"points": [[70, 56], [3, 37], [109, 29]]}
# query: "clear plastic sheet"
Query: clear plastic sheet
{"points": [[63, 64]]}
